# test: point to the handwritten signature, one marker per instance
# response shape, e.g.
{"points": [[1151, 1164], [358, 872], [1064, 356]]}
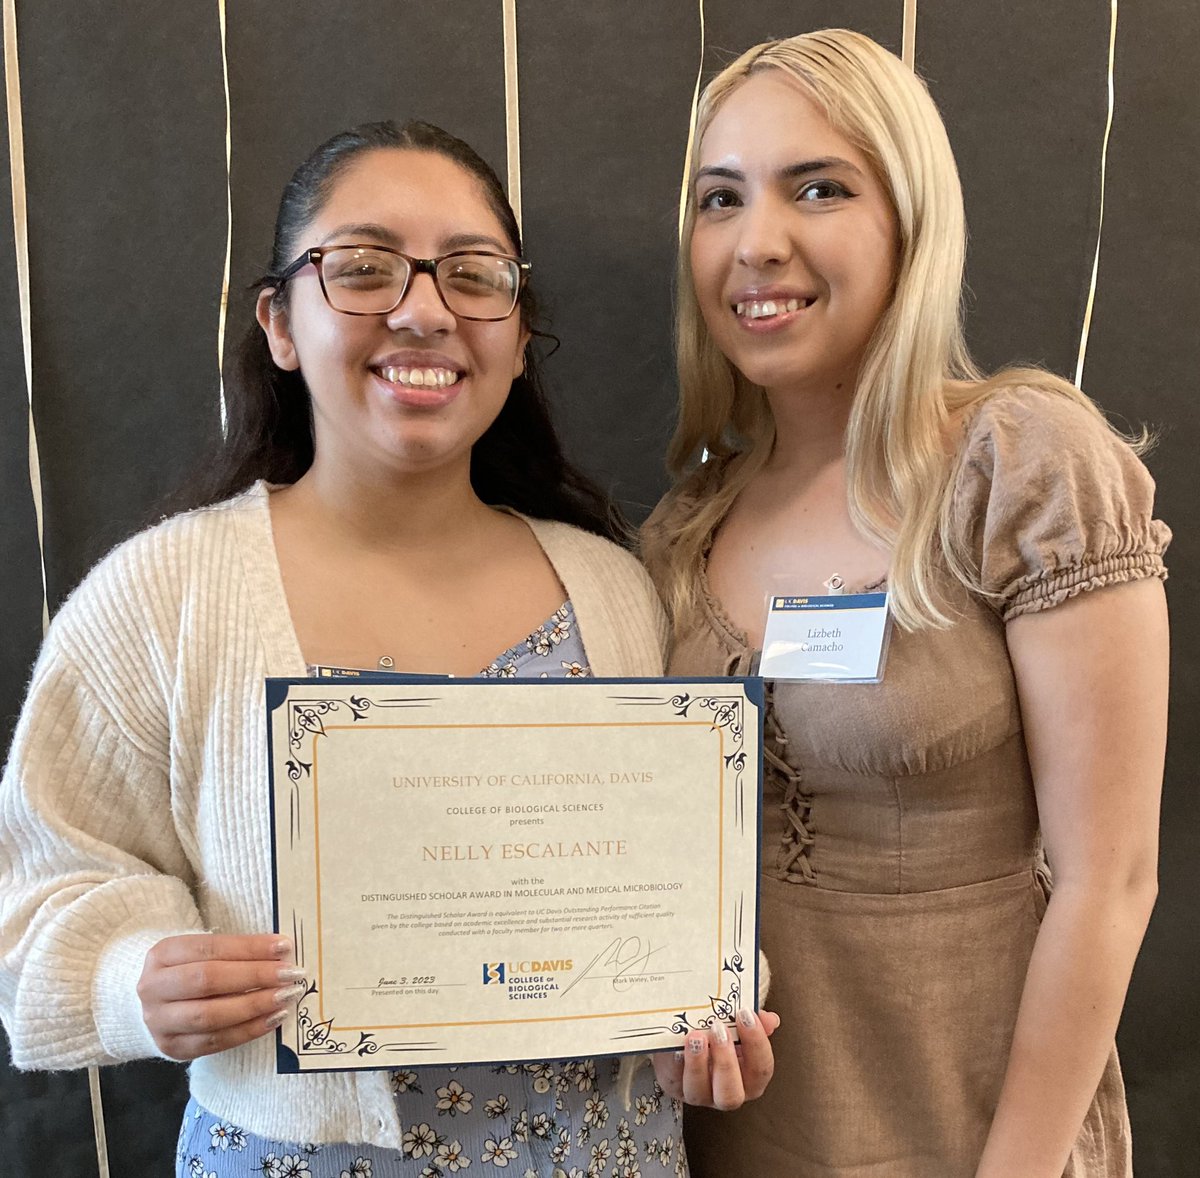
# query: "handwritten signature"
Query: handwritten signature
{"points": [[627, 957]]}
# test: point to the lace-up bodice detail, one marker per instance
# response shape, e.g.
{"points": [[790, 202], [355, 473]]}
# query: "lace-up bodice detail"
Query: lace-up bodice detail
{"points": [[784, 785]]}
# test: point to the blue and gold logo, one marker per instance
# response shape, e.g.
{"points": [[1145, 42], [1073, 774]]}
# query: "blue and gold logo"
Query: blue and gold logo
{"points": [[493, 971]]}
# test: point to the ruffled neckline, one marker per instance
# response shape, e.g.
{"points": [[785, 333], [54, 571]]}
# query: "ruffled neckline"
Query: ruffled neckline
{"points": [[722, 624]]}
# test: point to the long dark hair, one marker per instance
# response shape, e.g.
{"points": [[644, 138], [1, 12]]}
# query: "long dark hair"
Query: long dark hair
{"points": [[519, 460]]}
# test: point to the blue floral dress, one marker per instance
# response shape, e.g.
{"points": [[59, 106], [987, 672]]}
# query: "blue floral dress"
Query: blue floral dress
{"points": [[562, 1119]]}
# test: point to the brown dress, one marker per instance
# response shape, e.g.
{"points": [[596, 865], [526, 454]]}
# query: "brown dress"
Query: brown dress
{"points": [[903, 880]]}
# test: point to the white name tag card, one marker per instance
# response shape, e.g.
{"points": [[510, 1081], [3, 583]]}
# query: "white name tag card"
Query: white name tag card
{"points": [[838, 638]]}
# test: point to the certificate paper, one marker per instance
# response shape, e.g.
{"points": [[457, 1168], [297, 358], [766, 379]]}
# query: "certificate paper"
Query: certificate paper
{"points": [[495, 871]]}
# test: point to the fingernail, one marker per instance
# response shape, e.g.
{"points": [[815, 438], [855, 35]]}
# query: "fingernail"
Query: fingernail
{"points": [[282, 948], [695, 1045], [679, 1057], [288, 994], [273, 1020], [720, 1034], [746, 1017], [289, 973]]}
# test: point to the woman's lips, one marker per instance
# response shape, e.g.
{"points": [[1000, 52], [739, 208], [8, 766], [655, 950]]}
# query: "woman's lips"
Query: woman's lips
{"points": [[764, 315], [418, 387], [415, 377], [765, 308]]}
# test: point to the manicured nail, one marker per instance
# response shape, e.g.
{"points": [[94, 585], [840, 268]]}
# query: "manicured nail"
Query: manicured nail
{"points": [[289, 973], [679, 1057], [273, 1020], [746, 1017], [289, 994], [282, 949], [720, 1034], [695, 1045]]}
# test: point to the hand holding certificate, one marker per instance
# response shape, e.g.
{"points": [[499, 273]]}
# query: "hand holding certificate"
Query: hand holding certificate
{"points": [[483, 871]]}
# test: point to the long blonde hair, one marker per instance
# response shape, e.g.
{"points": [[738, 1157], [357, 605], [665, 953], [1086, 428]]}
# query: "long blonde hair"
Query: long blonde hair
{"points": [[897, 462]]}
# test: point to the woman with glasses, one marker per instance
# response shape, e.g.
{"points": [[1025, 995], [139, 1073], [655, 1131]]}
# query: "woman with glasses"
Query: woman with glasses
{"points": [[945, 1013], [391, 495]]}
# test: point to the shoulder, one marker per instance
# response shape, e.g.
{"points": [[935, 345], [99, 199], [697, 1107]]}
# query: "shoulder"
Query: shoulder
{"points": [[143, 581], [188, 530], [1047, 497], [620, 617], [1024, 442], [585, 554], [117, 637], [1027, 423], [694, 488], [679, 508]]}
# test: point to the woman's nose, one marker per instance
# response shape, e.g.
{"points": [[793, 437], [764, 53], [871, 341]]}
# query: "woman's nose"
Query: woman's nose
{"points": [[764, 235], [422, 311]]}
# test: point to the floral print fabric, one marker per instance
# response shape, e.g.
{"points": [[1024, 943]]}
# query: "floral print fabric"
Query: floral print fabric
{"points": [[553, 651], [560, 1119], [534, 1120]]}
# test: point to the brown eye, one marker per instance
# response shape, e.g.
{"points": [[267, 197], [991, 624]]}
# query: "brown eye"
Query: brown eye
{"points": [[819, 190], [363, 269], [718, 198]]}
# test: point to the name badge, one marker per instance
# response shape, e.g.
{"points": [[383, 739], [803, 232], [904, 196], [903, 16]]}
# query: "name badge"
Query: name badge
{"points": [[837, 638], [320, 671]]}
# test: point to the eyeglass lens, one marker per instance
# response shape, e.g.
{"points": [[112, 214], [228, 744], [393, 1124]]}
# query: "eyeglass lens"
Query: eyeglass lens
{"points": [[367, 282]]}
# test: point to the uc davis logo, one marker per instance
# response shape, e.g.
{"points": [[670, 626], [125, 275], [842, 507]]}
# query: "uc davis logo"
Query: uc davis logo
{"points": [[493, 971]]}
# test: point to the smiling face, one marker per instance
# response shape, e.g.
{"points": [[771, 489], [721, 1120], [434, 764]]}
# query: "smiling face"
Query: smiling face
{"points": [[414, 389], [793, 249]]}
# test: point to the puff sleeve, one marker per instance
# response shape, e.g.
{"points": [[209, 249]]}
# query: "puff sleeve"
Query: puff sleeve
{"points": [[1049, 503]]}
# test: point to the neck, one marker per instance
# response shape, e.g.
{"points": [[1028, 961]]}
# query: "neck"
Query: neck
{"points": [[810, 426], [396, 512]]}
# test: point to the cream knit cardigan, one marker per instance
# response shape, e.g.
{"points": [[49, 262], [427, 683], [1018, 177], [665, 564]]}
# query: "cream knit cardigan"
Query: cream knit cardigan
{"points": [[134, 803]]}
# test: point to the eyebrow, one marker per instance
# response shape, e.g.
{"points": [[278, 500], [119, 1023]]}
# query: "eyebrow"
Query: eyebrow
{"points": [[791, 171], [380, 233]]}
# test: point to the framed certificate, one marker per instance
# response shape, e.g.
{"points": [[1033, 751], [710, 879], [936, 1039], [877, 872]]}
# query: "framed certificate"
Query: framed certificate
{"points": [[496, 871]]}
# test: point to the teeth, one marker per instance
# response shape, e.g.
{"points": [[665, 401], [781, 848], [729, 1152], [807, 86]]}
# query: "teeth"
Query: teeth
{"points": [[418, 378], [768, 307]]}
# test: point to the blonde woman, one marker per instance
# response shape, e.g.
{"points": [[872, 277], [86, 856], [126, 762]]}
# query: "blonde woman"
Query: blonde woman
{"points": [[944, 1012]]}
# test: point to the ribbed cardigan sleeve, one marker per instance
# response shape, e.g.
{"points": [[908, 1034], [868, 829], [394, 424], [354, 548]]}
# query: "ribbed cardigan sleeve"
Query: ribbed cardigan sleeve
{"points": [[90, 864]]}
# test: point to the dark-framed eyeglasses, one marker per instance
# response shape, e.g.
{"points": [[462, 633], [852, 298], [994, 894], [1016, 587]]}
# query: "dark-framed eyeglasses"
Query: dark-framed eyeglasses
{"points": [[373, 279]]}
